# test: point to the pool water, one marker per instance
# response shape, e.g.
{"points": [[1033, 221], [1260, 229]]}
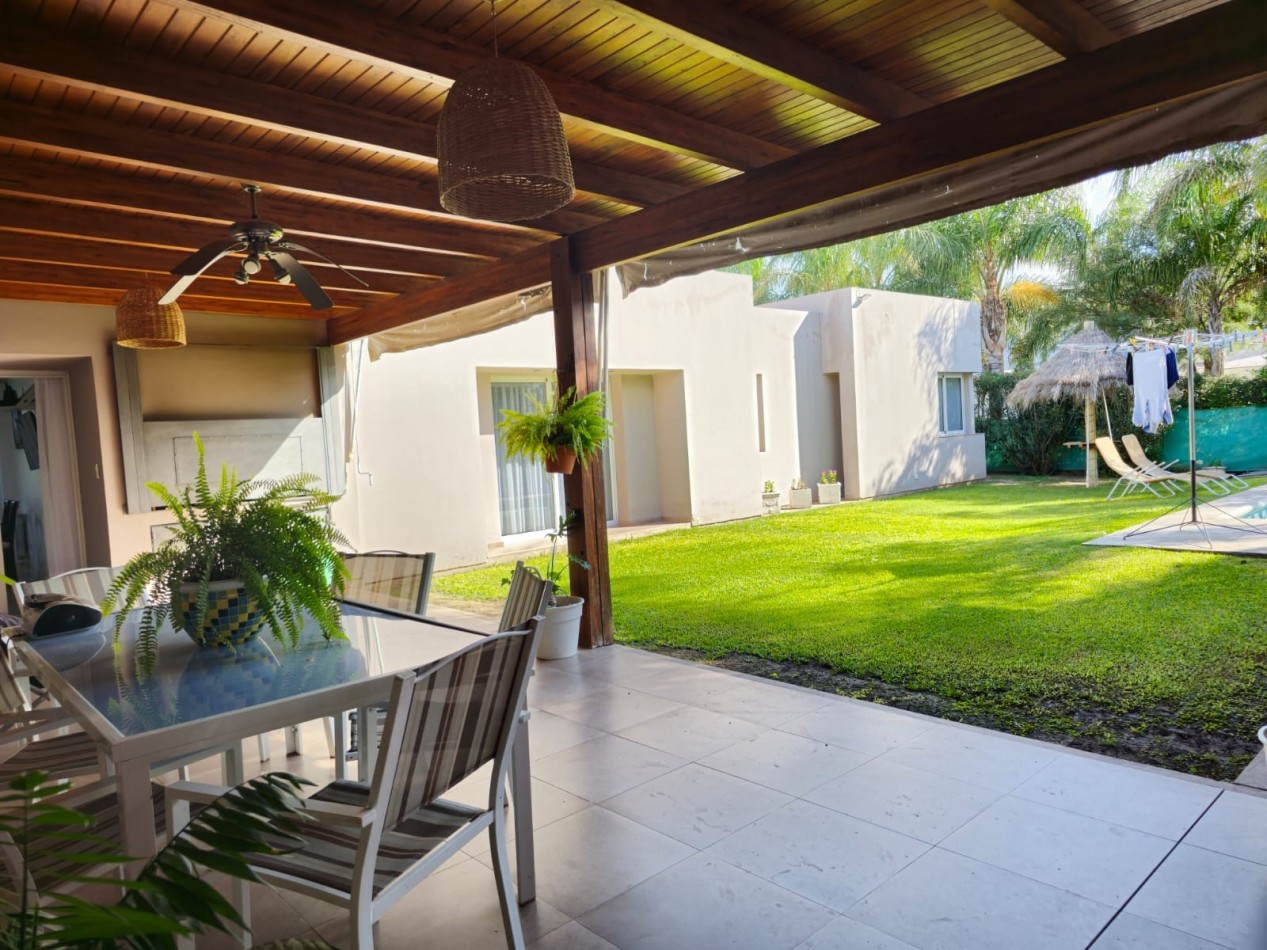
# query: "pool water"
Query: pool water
{"points": [[1258, 514]]}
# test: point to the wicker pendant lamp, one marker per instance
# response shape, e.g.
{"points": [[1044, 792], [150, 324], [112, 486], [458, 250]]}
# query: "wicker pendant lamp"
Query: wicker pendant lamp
{"points": [[502, 152], [143, 323]]}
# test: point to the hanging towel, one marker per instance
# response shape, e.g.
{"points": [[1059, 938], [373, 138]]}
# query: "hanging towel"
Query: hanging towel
{"points": [[1152, 389], [1172, 369]]}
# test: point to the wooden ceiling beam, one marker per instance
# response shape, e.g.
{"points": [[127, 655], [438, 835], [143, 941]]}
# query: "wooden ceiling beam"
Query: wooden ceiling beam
{"points": [[41, 217], [87, 275], [224, 202], [80, 134], [1221, 45], [1064, 25], [383, 40], [744, 41], [117, 70], [521, 272], [158, 261], [108, 296]]}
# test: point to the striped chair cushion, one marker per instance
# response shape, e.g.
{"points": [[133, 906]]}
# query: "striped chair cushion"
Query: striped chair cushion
{"points": [[456, 721], [73, 754], [393, 580], [527, 597], [328, 854], [52, 859]]}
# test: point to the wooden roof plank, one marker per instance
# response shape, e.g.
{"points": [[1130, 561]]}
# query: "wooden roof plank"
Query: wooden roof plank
{"points": [[125, 72], [752, 45], [109, 296], [441, 58]]}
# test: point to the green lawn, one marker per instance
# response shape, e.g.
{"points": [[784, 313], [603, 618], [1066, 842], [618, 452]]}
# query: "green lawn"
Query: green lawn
{"points": [[977, 603]]}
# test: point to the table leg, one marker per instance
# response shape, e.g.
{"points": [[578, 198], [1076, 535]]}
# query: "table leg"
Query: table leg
{"points": [[294, 741], [137, 835], [366, 742], [521, 796]]}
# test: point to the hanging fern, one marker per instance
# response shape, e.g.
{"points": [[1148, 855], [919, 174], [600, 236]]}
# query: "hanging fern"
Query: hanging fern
{"points": [[579, 424]]}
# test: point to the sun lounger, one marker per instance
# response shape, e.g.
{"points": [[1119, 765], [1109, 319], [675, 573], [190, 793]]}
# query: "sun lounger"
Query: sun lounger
{"points": [[1128, 477], [1213, 482]]}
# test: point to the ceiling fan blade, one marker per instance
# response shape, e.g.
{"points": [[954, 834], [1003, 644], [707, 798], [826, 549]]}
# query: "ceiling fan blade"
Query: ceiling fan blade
{"points": [[291, 245], [177, 289], [199, 261], [300, 277]]}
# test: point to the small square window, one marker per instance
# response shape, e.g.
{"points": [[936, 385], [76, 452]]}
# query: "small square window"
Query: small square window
{"points": [[950, 407]]}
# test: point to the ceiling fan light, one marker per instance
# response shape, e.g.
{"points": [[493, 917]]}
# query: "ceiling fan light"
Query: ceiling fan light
{"points": [[279, 272], [251, 266], [241, 276], [141, 322], [501, 148]]}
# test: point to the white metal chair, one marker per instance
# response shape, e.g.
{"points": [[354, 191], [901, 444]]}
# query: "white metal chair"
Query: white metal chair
{"points": [[86, 583], [367, 845]]}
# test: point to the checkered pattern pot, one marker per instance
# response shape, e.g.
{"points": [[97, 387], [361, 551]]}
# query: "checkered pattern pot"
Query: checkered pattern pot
{"points": [[233, 617]]}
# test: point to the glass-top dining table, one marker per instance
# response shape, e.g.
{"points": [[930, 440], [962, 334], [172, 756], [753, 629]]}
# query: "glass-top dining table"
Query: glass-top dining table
{"points": [[197, 699]]}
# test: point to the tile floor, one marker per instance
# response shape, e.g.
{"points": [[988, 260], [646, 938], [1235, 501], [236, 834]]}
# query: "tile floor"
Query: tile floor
{"points": [[680, 806]]}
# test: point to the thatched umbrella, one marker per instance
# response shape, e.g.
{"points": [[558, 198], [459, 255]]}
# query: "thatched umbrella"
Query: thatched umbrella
{"points": [[1081, 367]]}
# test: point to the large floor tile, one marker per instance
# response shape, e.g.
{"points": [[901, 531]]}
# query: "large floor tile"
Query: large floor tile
{"points": [[683, 683], [845, 933], [613, 664], [548, 734], [456, 907], [916, 803], [1084, 855], [703, 902], [1236, 824], [691, 733], [609, 708], [592, 856], [973, 755], [782, 761], [1143, 799], [863, 727], [696, 805], [549, 804], [944, 901], [571, 936], [603, 767], [818, 853], [766, 704], [1210, 895], [1129, 932]]}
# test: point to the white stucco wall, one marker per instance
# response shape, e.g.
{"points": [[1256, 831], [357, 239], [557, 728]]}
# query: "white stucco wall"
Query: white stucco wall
{"points": [[886, 349], [683, 360]]}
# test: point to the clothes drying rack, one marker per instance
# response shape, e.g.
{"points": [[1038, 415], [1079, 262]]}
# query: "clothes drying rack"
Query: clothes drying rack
{"points": [[1191, 341]]}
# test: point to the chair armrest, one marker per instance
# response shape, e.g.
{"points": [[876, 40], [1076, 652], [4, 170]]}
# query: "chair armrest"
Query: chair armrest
{"points": [[333, 812], [18, 726], [199, 793]]}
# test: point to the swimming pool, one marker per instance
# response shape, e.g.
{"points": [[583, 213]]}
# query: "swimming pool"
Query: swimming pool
{"points": [[1257, 514]]}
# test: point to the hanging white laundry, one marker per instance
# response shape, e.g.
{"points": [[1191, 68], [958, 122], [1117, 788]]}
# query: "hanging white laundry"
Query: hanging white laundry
{"points": [[1152, 391]]}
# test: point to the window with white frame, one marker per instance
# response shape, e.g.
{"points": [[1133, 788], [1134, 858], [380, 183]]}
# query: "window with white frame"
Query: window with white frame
{"points": [[950, 404]]}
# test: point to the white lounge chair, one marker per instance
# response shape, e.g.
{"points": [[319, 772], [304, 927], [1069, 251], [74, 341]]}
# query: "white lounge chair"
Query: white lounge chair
{"points": [[1205, 477], [1128, 477]]}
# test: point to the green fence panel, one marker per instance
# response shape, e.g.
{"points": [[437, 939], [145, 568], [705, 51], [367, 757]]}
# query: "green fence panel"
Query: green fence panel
{"points": [[1236, 438]]}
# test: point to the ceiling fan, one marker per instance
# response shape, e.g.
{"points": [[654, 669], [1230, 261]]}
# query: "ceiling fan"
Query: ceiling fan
{"points": [[261, 240]]}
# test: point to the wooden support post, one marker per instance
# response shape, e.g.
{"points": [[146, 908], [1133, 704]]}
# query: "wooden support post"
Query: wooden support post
{"points": [[1093, 465], [576, 352]]}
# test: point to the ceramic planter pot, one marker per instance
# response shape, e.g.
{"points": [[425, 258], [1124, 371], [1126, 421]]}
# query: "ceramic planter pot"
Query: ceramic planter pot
{"points": [[563, 462], [829, 494], [770, 502], [799, 498], [561, 631], [233, 616]]}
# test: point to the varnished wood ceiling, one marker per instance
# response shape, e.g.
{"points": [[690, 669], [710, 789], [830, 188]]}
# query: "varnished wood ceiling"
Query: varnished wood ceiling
{"points": [[127, 127]]}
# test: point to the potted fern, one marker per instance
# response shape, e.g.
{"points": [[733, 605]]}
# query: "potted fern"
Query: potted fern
{"points": [[559, 432], [241, 554]]}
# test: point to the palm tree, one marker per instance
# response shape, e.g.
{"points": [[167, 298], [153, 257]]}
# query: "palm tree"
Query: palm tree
{"points": [[980, 255], [877, 262], [1208, 214]]}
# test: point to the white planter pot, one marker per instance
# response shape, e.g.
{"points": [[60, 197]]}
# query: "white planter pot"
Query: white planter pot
{"points": [[1262, 737], [770, 502], [829, 494], [561, 631], [800, 498]]}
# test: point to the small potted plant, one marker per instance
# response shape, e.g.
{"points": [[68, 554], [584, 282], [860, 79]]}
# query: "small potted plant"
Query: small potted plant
{"points": [[239, 555], [828, 488], [798, 495], [561, 631], [769, 499], [559, 432]]}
